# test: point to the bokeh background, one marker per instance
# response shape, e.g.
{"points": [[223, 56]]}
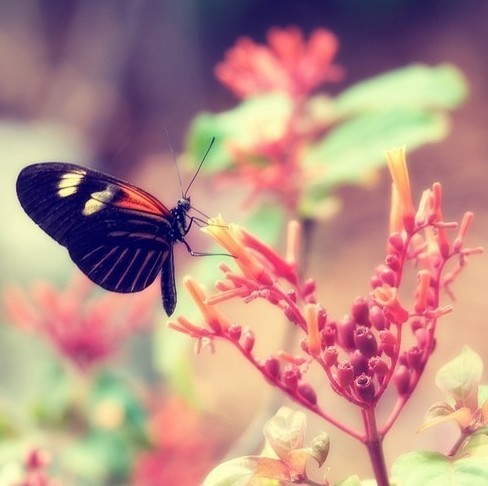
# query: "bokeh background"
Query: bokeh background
{"points": [[100, 83]]}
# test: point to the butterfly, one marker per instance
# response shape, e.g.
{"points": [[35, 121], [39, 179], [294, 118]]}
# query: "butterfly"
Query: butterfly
{"points": [[120, 236]]}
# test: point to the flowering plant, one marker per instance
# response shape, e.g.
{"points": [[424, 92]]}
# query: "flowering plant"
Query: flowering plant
{"points": [[364, 354], [292, 145]]}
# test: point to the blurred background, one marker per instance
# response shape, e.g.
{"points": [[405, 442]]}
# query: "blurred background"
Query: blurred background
{"points": [[99, 83]]}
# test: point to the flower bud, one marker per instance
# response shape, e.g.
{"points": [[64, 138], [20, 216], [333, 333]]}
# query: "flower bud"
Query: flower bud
{"points": [[359, 362], [309, 287], [234, 331], [378, 366], [401, 378], [364, 388], [248, 341], [388, 343], [365, 341], [330, 356], [328, 334], [345, 332], [388, 276], [414, 357], [396, 241], [422, 336], [377, 317], [292, 295], [345, 374], [290, 377], [321, 317], [306, 391], [392, 261], [375, 281], [272, 367], [360, 311]]}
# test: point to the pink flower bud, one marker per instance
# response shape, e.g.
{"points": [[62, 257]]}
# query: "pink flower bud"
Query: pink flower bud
{"points": [[330, 356], [396, 241], [359, 362], [388, 276], [306, 391], [309, 287], [422, 336], [365, 341], [234, 331], [377, 317], [414, 358], [272, 367], [360, 311], [345, 332], [321, 317], [345, 374], [248, 341], [290, 377], [388, 343], [328, 334], [292, 295], [364, 388], [375, 281], [392, 262], [378, 366], [401, 378]]}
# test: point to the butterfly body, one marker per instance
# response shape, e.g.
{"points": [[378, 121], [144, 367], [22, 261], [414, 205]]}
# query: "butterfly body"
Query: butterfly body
{"points": [[120, 236]]}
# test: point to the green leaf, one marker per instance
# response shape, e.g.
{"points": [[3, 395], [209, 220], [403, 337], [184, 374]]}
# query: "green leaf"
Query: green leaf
{"points": [[285, 431], [259, 118], [460, 378], [350, 481], [267, 223], [354, 149], [242, 472], [319, 448], [482, 394], [435, 469], [412, 87]]}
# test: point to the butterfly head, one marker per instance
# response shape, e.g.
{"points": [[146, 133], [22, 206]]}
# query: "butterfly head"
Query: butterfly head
{"points": [[183, 205]]}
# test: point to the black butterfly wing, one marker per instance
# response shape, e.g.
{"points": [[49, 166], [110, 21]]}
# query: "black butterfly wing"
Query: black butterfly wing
{"points": [[118, 235], [119, 250], [60, 196]]}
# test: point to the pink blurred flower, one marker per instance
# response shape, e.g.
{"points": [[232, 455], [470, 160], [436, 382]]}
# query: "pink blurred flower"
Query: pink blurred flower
{"points": [[184, 447], [35, 468], [84, 326], [288, 63]]}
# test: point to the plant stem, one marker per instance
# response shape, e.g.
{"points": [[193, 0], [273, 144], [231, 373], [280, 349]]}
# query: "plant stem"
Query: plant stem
{"points": [[374, 444]]}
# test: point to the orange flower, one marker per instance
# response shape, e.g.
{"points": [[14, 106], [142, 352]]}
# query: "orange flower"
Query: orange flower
{"points": [[402, 211], [230, 237], [386, 296]]}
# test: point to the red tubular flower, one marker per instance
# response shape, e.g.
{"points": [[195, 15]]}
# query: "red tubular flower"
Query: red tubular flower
{"points": [[402, 212], [289, 64], [314, 340], [231, 238], [387, 298]]}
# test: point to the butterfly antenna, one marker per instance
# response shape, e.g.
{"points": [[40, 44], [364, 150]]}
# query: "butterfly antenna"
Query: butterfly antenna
{"points": [[199, 167], [201, 212], [173, 156]]}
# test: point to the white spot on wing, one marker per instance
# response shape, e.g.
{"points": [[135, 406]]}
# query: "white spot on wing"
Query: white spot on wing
{"points": [[98, 200], [69, 182]]}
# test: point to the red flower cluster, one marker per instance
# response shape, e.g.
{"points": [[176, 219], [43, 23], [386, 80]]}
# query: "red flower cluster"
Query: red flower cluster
{"points": [[361, 354], [277, 127], [85, 329], [289, 64]]}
